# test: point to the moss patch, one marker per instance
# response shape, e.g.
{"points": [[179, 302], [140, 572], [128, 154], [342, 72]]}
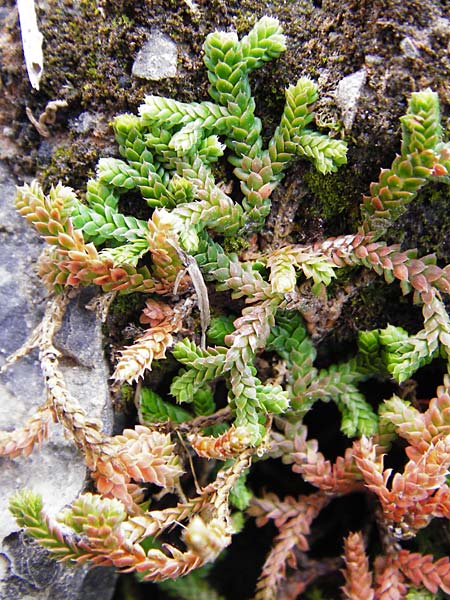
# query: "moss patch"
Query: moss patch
{"points": [[335, 199], [426, 224]]}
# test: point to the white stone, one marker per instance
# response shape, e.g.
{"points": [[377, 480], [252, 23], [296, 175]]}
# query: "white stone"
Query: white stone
{"points": [[157, 59], [347, 95], [409, 48]]}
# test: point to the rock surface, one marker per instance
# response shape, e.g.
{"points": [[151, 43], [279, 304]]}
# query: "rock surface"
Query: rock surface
{"points": [[157, 59], [347, 95], [57, 470]]}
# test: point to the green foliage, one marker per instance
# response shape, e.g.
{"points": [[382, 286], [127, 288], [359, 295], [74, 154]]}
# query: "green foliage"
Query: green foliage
{"points": [[421, 126], [219, 328], [27, 508], [292, 343], [204, 401], [167, 156], [421, 594], [216, 429], [26, 499], [404, 354], [265, 358], [338, 383], [370, 356], [168, 153], [194, 586], [423, 157], [241, 495], [283, 265], [204, 366], [394, 351], [127, 393], [290, 339], [307, 385], [153, 409], [238, 521]]}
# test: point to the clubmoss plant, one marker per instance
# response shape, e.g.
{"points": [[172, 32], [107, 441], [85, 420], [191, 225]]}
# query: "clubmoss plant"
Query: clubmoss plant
{"points": [[168, 155]]}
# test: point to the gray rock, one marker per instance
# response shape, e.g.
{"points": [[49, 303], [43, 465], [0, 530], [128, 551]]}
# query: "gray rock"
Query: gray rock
{"points": [[347, 95], [57, 470], [157, 59], [373, 59], [85, 122], [30, 574], [409, 47]]}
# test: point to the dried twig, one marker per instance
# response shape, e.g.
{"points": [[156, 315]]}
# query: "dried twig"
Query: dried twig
{"points": [[48, 117], [32, 40]]}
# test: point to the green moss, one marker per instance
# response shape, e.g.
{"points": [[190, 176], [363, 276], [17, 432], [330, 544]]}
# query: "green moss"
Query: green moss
{"points": [[126, 305], [71, 164], [376, 305], [315, 594], [127, 393], [336, 198], [426, 224], [235, 244], [87, 54]]}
